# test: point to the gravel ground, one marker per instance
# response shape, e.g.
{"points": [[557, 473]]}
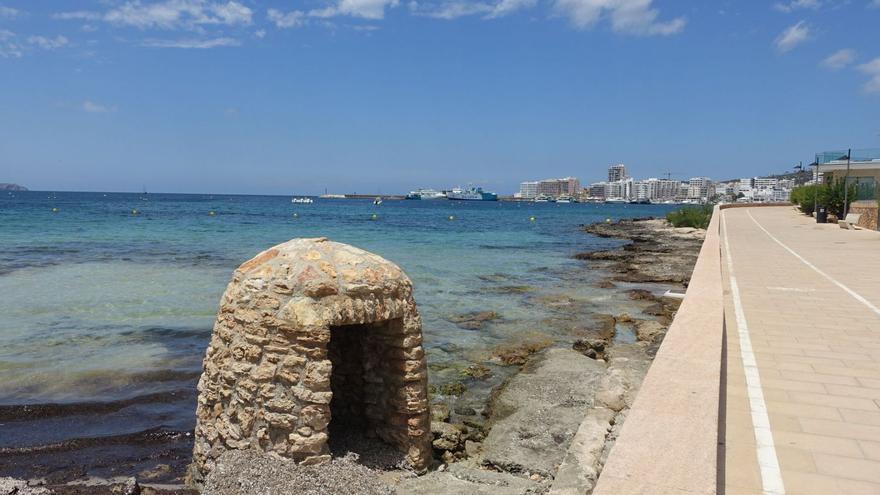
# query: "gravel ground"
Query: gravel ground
{"points": [[255, 473]]}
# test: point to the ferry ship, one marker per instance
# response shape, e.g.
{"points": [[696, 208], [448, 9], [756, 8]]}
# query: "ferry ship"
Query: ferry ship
{"points": [[543, 198], [426, 194], [471, 194]]}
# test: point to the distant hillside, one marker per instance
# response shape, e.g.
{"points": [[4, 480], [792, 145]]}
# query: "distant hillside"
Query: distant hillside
{"points": [[11, 187]]}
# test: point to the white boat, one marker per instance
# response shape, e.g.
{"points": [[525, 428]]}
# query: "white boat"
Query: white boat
{"points": [[565, 199], [543, 198], [426, 194], [616, 200], [306, 201], [377, 201]]}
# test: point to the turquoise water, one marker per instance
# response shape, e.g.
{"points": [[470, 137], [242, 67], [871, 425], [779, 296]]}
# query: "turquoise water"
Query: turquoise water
{"points": [[102, 305]]}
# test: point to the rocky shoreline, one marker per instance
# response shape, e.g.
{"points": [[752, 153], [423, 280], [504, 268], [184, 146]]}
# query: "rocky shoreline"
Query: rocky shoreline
{"points": [[548, 427]]}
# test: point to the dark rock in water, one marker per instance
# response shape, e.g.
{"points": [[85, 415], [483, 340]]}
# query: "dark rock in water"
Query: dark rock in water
{"points": [[641, 294], [592, 348], [464, 410], [474, 320], [478, 371], [605, 284], [513, 289], [518, 354], [655, 309], [455, 388]]}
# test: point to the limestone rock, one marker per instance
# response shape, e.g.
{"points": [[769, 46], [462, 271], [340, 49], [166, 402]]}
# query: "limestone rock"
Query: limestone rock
{"points": [[538, 412]]}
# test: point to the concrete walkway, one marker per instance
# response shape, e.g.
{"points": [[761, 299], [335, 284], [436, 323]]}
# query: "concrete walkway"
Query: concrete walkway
{"points": [[802, 314]]}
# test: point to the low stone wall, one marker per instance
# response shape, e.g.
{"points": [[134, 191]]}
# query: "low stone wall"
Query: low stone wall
{"points": [[669, 441], [868, 211], [311, 333]]}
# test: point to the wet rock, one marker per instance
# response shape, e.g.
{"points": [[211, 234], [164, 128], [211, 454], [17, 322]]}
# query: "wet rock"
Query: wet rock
{"points": [[536, 414], [649, 331], [518, 354], [656, 252], [447, 389], [156, 472], [474, 320], [592, 348], [605, 284], [464, 410], [478, 371], [640, 294], [513, 289]]}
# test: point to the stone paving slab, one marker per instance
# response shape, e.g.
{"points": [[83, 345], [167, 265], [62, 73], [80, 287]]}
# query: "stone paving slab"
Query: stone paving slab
{"points": [[808, 296]]}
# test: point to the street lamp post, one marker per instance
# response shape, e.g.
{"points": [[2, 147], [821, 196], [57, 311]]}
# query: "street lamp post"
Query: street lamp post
{"points": [[845, 185]]}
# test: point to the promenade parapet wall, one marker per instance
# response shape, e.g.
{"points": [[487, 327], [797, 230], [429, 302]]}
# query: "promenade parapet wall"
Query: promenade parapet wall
{"points": [[669, 443]]}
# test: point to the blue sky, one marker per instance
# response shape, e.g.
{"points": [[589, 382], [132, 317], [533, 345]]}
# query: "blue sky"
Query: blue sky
{"points": [[283, 96]]}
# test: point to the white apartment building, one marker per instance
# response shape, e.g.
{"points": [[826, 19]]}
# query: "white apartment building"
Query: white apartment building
{"points": [[528, 190]]}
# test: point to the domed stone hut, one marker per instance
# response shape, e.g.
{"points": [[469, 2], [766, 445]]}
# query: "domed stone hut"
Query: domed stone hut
{"points": [[311, 335]]}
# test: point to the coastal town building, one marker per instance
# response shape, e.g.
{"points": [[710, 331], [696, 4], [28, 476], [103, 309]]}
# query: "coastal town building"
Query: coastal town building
{"points": [[861, 168], [700, 188], [617, 172], [528, 189]]}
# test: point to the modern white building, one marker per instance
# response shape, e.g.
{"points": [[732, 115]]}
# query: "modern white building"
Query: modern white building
{"points": [[528, 190]]}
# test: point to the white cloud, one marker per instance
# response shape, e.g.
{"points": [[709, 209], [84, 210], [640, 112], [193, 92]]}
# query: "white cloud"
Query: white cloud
{"points": [[8, 12], [839, 59], [191, 43], [505, 7], [9, 47], [92, 107], [792, 37], [47, 43], [260, 33], [636, 17], [290, 19], [797, 5], [456, 9], [875, 4], [168, 14], [365, 9], [872, 69], [79, 15]]}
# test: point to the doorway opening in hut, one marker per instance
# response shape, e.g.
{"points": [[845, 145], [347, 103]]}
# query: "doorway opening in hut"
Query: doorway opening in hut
{"points": [[364, 383]]}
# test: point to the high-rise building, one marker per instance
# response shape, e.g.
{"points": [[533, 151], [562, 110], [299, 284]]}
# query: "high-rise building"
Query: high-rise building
{"points": [[616, 172], [557, 187], [700, 188]]}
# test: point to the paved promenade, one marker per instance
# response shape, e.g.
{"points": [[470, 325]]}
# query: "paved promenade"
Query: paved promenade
{"points": [[802, 315]]}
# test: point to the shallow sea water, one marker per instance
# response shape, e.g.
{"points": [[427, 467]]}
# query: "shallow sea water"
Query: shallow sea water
{"points": [[102, 306]]}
